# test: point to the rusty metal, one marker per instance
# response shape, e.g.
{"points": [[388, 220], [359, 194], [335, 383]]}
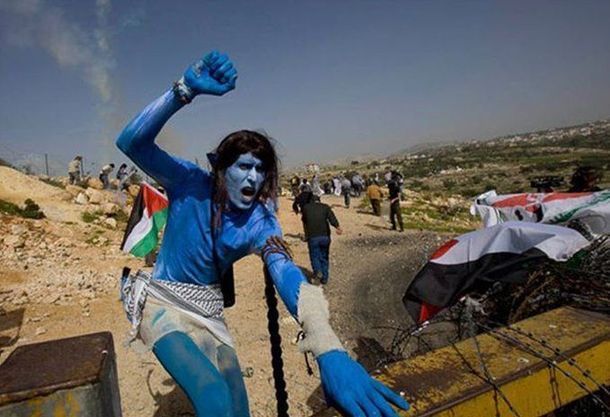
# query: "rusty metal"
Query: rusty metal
{"points": [[447, 381], [42, 368]]}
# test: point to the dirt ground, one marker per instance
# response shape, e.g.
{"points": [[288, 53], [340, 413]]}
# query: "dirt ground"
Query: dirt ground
{"points": [[76, 292]]}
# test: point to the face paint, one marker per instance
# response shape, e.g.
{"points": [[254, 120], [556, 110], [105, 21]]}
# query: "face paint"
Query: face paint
{"points": [[244, 179]]}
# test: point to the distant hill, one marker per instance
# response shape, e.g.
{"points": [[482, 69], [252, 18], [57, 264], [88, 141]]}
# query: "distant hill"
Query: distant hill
{"points": [[507, 164]]}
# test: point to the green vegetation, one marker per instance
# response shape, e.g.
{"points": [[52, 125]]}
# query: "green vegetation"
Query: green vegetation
{"points": [[10, 208], [90, 217], [94, 238], [31, 210], [121, 216], [431, 212]]}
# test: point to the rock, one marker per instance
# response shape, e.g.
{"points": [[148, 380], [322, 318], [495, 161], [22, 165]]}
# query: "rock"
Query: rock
{"points": [[66, 196], [14, 241], [65, 242], [18, 229], [40, 330], [110, 222], [74, 190], [109, 208], [95, 196], [81, 198], [95, 183]]}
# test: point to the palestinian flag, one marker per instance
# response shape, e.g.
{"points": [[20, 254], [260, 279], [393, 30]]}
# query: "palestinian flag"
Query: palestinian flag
{"points": [[498, 253], [590, 208], [147, 218]]}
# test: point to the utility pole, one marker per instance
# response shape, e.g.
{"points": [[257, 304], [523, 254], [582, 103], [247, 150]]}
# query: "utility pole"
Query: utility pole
{"points": [[46, 163]]}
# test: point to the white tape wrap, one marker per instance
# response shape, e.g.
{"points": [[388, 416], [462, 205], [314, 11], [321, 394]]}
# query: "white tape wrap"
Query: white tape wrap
{"points": [[313, 316]]}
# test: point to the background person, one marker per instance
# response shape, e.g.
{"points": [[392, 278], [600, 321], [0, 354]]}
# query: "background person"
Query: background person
{"points": [[346, 191], [585, 179], [74, 169], [317, 217], [395, 213], [104, 173], [375, 195]]}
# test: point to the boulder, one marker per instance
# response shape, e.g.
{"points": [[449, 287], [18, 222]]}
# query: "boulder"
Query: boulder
{"points": [[110, 222], [14, 241], [95, 183], [18, 229], [66, 196], [74, 190], [109, 208], [81, 198], [95, 196]]}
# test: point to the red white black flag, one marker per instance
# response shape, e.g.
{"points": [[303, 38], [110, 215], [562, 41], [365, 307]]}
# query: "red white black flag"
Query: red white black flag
{"points": [[498, 253]]}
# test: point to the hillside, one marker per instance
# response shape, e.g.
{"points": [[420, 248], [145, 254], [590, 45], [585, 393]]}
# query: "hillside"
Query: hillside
{"points": [[506, 164]]}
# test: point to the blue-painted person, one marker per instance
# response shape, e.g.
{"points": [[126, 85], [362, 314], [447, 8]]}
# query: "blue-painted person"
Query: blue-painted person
{"points": [[214, 219]]}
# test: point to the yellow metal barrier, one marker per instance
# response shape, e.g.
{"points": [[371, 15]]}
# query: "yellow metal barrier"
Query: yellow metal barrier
{"points": [[450, 382]]}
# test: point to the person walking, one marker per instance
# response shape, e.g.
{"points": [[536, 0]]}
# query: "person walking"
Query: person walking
{"points": [[346, 191], [74, 168], [104, 173], [375, 195], [337, 186], [395, 214], [317, 217]]}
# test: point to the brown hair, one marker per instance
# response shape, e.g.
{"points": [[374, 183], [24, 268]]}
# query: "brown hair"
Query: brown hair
{"points": [[227, 152]]}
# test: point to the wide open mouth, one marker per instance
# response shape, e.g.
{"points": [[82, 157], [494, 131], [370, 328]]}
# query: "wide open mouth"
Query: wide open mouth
{"points": [[248, 191]]}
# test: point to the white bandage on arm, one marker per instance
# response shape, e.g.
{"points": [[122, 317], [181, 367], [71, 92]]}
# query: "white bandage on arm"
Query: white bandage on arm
{"points": [[313, 316]]}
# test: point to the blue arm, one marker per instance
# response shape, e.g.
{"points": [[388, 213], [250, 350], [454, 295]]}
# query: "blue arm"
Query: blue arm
{"points": [[287, 278], [213, 75], [137, 141]]}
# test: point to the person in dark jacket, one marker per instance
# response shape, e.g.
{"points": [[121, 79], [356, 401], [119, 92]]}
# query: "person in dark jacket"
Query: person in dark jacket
{"points": [[317, 217], [304, 197], [395, 214]]}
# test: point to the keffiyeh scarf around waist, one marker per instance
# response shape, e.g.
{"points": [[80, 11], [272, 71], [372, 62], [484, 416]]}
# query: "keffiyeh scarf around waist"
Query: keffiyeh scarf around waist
{"points": [[203, 303]]}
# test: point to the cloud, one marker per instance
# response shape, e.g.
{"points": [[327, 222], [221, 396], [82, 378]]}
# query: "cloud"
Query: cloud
{"points": [[34, 23]]}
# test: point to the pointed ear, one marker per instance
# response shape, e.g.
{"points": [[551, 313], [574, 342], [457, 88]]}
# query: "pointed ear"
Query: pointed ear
{"points": [[213, 159]]}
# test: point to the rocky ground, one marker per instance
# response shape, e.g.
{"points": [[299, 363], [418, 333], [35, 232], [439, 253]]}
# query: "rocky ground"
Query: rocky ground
{"points": [[59, 278]]}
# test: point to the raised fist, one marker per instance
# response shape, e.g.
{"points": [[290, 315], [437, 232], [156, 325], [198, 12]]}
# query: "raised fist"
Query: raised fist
{"points": [[214, 74]]}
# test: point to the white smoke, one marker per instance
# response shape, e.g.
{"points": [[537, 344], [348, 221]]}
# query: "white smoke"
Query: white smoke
{"points": [[33, 23]]}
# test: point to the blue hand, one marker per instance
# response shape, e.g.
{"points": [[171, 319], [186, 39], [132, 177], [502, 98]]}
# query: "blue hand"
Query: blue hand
{"points": [[214, 74], [349, 388]]}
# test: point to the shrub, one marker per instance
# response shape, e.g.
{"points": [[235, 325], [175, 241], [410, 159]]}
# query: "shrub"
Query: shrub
{"points": [[89, 217], [448, 184], [10, 208], [121, 216], [30, 211]]}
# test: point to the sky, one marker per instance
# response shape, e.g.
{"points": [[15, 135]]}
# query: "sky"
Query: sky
{"points": [[326, 79]]}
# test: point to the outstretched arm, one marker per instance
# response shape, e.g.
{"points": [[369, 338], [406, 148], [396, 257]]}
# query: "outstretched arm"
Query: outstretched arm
{"points": [[347, 385], [212, 75]]}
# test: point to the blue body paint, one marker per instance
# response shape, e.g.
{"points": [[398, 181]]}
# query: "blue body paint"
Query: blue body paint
{"points": [[211, 376], [244, 180], [212, 392], [186, 250]]}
